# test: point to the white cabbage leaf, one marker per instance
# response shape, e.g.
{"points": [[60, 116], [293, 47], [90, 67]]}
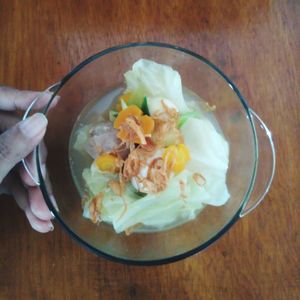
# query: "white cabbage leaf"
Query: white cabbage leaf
{"points": [[209, 153], [156, 80], [156, 210]]}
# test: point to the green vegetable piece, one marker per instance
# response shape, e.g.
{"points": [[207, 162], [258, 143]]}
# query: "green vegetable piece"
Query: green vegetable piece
{"points": [[131, 188], [135, 100], [112, 115], [144, 107], [185, 116], [141, 194]]}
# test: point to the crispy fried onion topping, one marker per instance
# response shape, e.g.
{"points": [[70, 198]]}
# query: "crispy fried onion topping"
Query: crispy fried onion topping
{"points": [[148, 148], [199, 179], [132, 127], [131, 229], [132, 166], [165, 130], [121, 151], [95, 208], [209, 107], [182, 190], [156, 179], [133, 157], [116, 187]]}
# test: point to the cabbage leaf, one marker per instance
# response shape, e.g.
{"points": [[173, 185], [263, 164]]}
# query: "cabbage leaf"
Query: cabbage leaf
{"points": [[156, 80]]}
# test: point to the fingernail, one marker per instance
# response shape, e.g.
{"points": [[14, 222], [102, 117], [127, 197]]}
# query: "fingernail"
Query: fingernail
{"points": [[54, 202], [33, 125], [54, 101], [43, 169], [52, 215], [51, 227]]}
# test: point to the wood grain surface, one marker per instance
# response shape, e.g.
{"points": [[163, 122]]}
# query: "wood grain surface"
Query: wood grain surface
{"points": [[257, 43]]}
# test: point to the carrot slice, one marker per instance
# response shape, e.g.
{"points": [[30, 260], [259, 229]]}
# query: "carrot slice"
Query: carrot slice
{"points": [[176, 157], [107, 163], [147, 124], [130, 111]]}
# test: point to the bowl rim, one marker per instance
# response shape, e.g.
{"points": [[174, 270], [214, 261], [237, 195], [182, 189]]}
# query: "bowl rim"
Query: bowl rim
{"points": [[218, 234]]}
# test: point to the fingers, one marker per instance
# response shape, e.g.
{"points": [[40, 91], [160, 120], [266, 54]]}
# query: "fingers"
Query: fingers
{"points": [[8, 119], [38, 205], [37, 224], [36, 199], [31, 202], [18, 141], [31, 164], [12, 99], [26, 178]]}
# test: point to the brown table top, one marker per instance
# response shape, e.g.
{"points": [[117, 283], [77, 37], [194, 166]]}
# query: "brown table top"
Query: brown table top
{"points": [[257, 43]]}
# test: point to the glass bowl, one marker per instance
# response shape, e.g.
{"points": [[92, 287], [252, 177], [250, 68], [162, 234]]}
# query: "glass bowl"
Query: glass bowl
{"points": [[251, 161]]}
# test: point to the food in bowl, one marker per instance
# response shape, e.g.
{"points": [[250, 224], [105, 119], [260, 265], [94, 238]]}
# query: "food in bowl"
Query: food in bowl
{"points": [[153, 158]]}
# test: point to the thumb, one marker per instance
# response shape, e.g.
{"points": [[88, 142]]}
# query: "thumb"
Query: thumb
{"points": [[18, 141]]}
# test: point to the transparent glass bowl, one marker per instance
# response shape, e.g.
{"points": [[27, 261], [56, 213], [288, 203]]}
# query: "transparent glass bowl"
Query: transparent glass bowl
{"points": [[251, 167]]}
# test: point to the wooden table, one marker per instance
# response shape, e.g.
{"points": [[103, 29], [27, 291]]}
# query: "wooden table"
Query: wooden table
{"points": [[257, 43]]}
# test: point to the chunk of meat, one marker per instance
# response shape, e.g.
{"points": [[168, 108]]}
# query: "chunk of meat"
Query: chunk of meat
{"points": [[102, 138]]}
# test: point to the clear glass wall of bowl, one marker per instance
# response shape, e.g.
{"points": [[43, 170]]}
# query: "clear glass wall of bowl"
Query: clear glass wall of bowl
{"points": [[105, 73]]}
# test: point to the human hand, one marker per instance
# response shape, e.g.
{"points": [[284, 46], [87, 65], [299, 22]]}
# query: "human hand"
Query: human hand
{"points": [[17, 141]]}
